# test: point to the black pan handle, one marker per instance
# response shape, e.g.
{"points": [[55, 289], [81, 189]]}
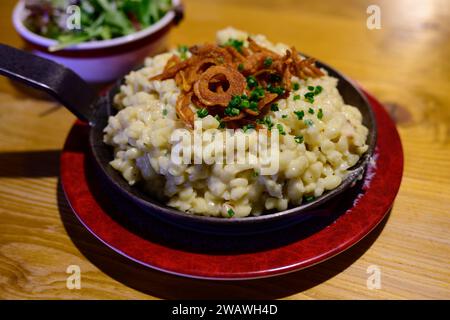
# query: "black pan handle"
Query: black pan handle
{"points": [[60, 82]]}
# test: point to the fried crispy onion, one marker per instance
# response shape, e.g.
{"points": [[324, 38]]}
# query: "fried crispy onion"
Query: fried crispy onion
{"points": [[215, 76], [217, 85], [184, 110]]}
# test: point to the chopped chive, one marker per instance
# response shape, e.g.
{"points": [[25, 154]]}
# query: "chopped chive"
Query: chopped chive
{"points": [[237, 44], [274, 107], [235, 101], [311, 110], [318, 90], [230, 212], [233, 106], [320, 114], [309, 97], [253, 105], [245, 103], [255, 173], [281, 129], [221, 123], [164, 112], [296, 97], [183, 49], [235, 111], [296, 86], [309, 198], [284, 116], [299, 139], [313, 91], [257, 94], [277, 90], [203, 112], [240, 66], [266, 121], [248, 127], [300, 114], [268, 62], [251, 82], [269, 122]]}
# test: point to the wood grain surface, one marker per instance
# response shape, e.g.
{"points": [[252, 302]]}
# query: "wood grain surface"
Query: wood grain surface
{"points": [[405, 64]]}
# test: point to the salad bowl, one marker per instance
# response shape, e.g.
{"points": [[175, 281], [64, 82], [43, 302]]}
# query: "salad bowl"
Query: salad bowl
{"points": [[101, 61]]}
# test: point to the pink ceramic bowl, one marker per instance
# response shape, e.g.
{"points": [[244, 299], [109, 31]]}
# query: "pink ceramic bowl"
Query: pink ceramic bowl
{"points": [[105, 60]]}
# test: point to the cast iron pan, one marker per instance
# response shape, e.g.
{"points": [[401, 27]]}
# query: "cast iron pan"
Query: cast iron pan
{"points": [[76, 95]]}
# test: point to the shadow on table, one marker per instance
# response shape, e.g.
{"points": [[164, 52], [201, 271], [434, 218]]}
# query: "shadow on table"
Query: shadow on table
{"points": [[168, 286], [30, 164]]}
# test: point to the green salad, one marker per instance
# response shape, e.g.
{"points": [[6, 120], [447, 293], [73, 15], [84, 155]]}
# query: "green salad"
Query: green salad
{"points": [[98, 19]]}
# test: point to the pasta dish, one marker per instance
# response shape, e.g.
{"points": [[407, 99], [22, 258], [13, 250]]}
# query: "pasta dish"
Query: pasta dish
{"points": [[242, 87]]}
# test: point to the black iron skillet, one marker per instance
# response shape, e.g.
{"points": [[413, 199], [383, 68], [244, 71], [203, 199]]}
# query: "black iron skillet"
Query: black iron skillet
{"points": [[76, 95]]}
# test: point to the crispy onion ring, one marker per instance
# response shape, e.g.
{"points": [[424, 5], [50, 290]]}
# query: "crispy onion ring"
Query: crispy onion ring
{"points": [[233, 84]]}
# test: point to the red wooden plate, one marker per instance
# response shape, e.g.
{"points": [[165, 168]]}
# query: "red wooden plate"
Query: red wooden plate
{"points": [[157, 245]]}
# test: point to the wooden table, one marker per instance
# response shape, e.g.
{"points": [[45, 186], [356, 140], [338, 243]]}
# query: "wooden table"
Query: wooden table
{"points": [[405, 64]]}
